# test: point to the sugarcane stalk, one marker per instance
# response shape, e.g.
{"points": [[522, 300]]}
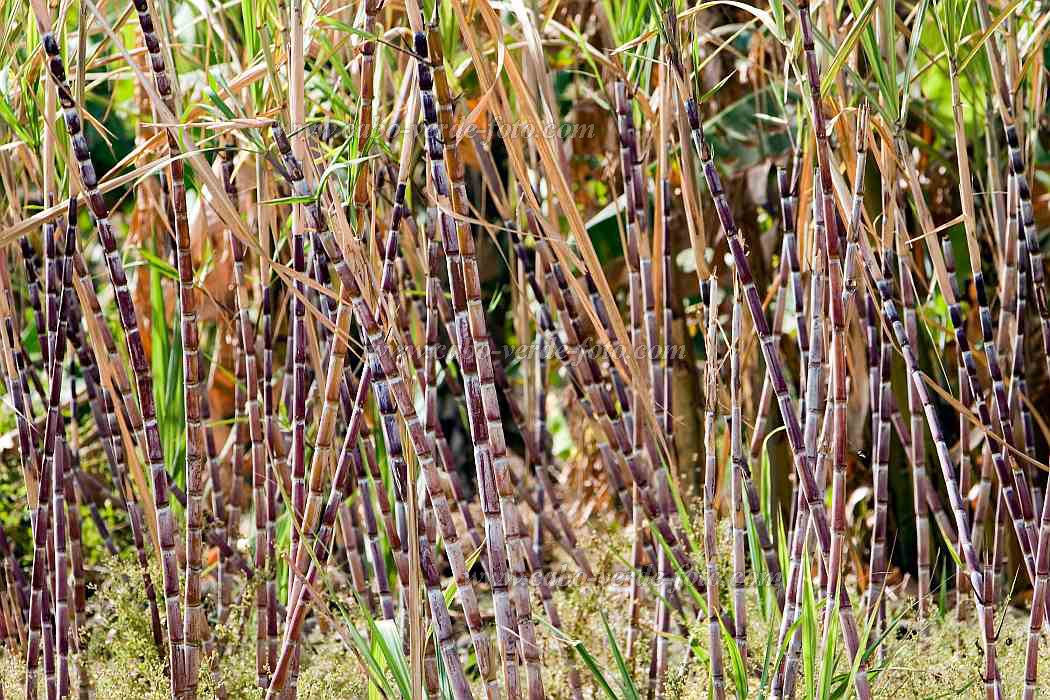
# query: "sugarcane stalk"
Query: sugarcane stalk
{"points": [[61, 560], [737, 480], [322, 543], [33, 292], [247, 358], [29, 457], [541, 463], [1016, 160], [837, 313], [988, 345], [382, 360], [774, 367], [39, 618], [816, 410], [1039, 601], [273, 441], [654, 498], [353, 543], [882, 393], [596, 397], [59, 461], [73, 500], [140, 364], [892, 316], [92, 383], [193, 618], [710, 482], [382, 583], [91, 304], [443, 631], [504, 529]]}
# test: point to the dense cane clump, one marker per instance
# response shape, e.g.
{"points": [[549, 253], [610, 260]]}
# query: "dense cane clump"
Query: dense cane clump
{"points": [[340, 363]]}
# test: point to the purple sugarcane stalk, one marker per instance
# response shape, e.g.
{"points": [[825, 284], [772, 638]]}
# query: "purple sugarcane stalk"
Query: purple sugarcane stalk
{"points": [[737, 480], [383, 361], [710, 482], [140, 364], [193, 617], [503, 526], [774, 366]]}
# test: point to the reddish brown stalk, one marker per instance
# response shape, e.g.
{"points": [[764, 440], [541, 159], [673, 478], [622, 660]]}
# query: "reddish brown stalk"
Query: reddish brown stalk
{"points": [[789, 214], [1026, 218], [1012, 478], [297, 455], [392, 436], [837, 313], [992, 680], [276, 442], [643, 329], [639, 262], [663, 400], [988, 345], [915, 409], [135, 519], [396, 534], [382, 581], [965, 468], [593, 394], [120, 381], [443, 315], [59, 456], [1018, 396], [223, 574], [627, 139], [438, 609], [891, 315], [816, 408], [557, 525], [765, 397], [27, 453], [353, 543], [1039, 602], [541, 463], [395, 456], [442, 624], [109, 429], [1040, 599], [663, 389], [446, 462], [92, 383], [140, 364]]}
